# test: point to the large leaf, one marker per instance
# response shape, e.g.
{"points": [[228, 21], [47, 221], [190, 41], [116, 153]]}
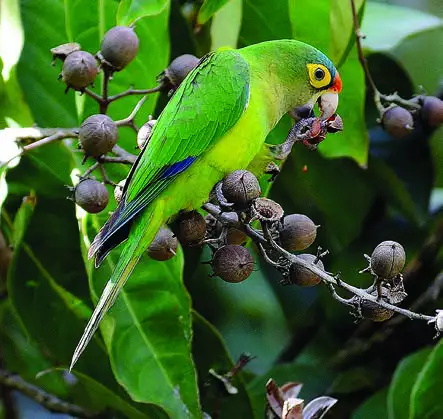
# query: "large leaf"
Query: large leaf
{"points": [[402, 383], [264, 20], [225, 26], [148, 332], [436, 142], [130, 11], [426, 400], [383, 35], [52, 316], [208, 9], [374, 407]]}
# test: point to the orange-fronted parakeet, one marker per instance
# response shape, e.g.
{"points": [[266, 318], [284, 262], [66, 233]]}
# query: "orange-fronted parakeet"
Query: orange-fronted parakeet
{"points": [[216, 122]]}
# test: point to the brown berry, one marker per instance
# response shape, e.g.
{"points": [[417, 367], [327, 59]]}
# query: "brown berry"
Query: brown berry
{"points": [[119, 46], [388, 259], [191, 228], [236, 236], [164, 245], [233, 263], [240, 188], [79, 70], [91, 195], [432, 111], [98, 135], [302, 276], [180, 68], [397, 121], [374, 312], [297, 232]]}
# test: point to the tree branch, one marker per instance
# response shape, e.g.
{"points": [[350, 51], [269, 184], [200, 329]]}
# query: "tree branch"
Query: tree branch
{"points": [[49, 401]]}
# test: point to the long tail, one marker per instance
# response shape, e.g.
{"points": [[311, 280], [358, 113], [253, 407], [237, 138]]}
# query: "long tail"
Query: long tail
{"points": [[142, 233]]}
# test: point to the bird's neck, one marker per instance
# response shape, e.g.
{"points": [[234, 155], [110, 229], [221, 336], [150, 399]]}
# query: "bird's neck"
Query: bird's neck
{"points": [[277, 76]]}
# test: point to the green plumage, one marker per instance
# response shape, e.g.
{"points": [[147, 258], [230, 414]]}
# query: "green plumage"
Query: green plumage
{"points": [[216, 122]]}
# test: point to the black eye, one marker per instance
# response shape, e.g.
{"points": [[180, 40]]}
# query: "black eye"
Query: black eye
{"points": [[319, 74]]}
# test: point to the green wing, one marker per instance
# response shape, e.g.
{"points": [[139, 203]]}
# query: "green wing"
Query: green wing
{"points": [[207, 104]]}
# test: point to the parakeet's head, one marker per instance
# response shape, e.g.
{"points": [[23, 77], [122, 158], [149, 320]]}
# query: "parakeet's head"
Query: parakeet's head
{"points": [[320, 78]]}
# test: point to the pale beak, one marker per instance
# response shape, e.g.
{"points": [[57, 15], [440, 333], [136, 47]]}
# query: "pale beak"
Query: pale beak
{"points": [[328, 103]]}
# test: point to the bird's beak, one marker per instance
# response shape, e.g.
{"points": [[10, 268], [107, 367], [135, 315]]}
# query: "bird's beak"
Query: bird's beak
{"points": [[328, 101]]}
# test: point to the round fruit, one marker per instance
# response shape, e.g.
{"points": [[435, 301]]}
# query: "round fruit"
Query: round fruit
{"points": [[79, 70], [297, 232], [240, 188], [388, 259], [164, 245], [98, 135], [432, 111], [397, 121], [302, 276], [236, 236], [91, 195], [374, 312], [180, 68], [233, 263], [119, 46], [191, 228]]}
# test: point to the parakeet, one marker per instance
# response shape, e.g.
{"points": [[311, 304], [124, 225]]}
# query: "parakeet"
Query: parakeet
{"points": [[216, 122]]}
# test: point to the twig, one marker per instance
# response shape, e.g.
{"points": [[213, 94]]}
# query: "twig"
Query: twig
{"points": [[105, 102], [49, 401], [94, 96], [129, 120], [38, 136], [378, 97], [122, 153], [109, 159], [131, 91]]}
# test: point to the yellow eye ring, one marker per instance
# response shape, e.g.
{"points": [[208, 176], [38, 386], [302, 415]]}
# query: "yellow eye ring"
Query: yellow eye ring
{"points": [[319, 75]]}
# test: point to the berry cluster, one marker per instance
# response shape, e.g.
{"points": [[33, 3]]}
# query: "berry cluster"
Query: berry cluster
{"points": [[399, 121], [98, 134]]}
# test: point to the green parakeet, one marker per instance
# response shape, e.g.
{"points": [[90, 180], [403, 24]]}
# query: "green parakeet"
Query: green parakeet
{"points": [[216, 122]]}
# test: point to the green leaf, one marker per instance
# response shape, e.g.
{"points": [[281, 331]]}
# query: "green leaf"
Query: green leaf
{"points": [[264, 20], [342, 28], [21, 355], [374, 407], [353, 141], [403, 380], [130, 11], [44, 28], [99, 398], [210, 353], [148, 332], [208, 9], [383, 35], [225, 26], [426, 402], [22, 219]]}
